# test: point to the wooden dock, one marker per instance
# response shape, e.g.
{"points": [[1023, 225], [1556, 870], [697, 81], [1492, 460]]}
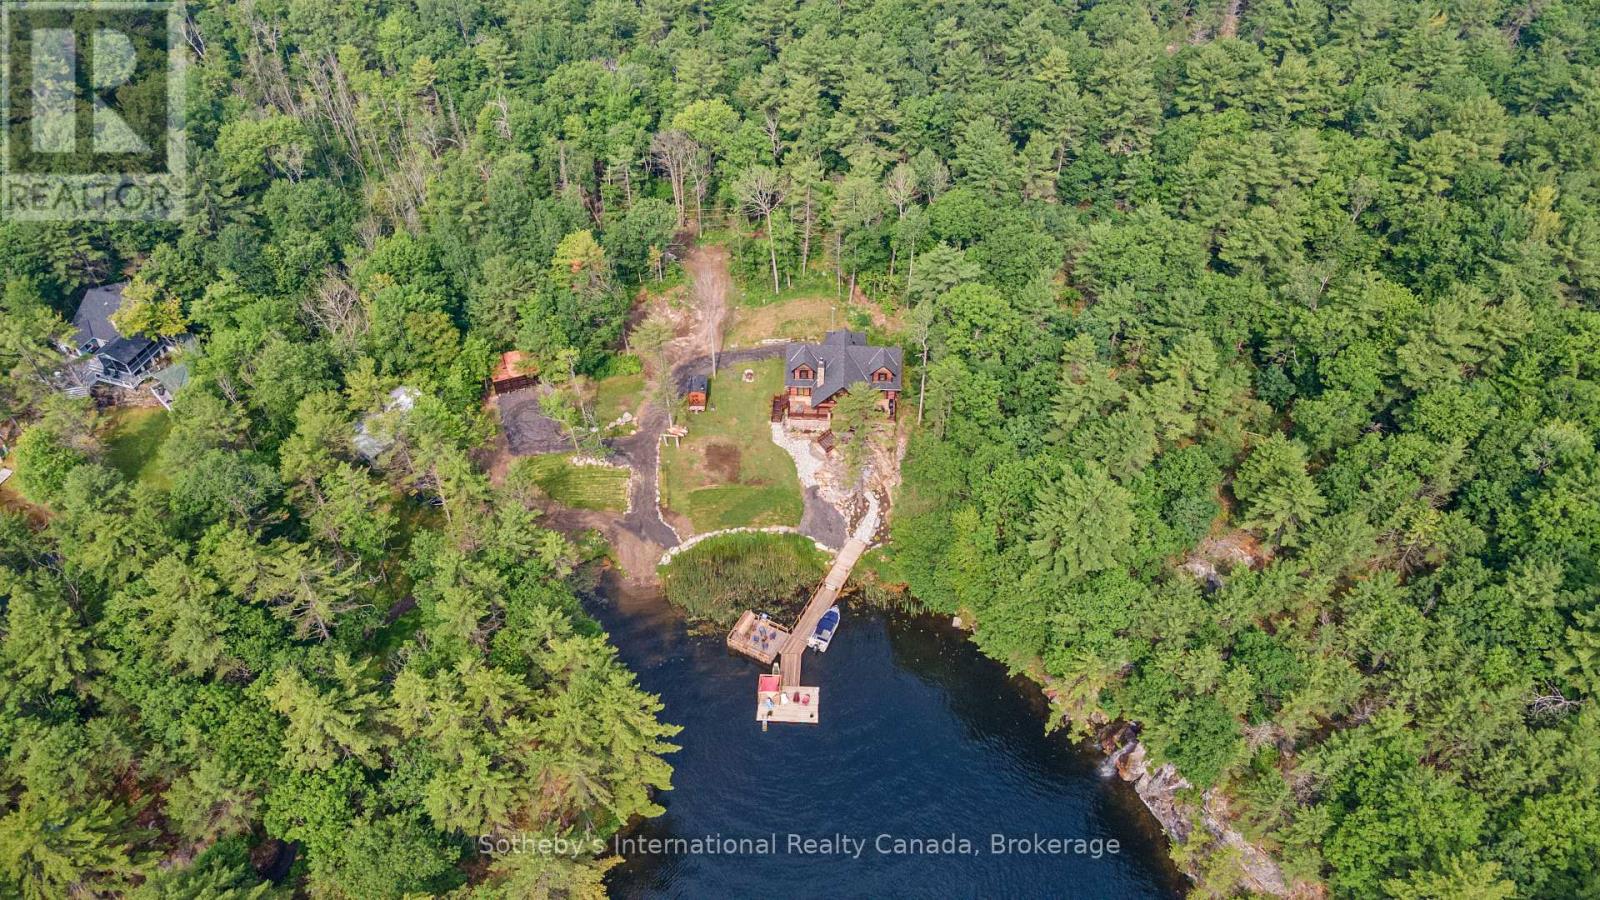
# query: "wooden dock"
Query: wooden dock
{"points": [[821, 601], [781, 697], [758, 638], [801, 705]]}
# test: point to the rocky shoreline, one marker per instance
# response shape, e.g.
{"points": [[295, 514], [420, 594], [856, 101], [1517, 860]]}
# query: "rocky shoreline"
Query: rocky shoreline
{"points": [[1161, 790]]}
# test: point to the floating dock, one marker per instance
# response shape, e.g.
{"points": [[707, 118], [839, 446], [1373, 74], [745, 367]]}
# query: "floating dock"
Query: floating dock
{"points": [[758, 638], [821, 601]]}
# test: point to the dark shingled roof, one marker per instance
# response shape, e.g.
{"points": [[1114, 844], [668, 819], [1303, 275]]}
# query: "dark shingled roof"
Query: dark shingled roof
{"points": [[126, 350], [842, 359], [697, 383], [93, 319]]}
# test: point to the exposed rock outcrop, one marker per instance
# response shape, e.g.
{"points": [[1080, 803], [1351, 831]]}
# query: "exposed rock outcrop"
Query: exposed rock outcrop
{"points": [[837, 507], [1161, 789], [1168, 796]]}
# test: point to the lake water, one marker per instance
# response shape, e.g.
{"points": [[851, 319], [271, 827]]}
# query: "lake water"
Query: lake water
{"points": [[921, 739]]}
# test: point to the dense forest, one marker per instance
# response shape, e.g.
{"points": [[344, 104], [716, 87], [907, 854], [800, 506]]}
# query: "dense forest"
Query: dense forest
{"points": [[1257, 383]]}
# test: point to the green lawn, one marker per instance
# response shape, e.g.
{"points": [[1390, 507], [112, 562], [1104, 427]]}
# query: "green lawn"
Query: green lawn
{"points": [[132, 441], [802, 312], [617, 395], [799, 318], [580, 487], [728, 473]]}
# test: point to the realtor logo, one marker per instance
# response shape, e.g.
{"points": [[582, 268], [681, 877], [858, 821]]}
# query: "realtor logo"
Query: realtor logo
{"points": [[91, 104]]}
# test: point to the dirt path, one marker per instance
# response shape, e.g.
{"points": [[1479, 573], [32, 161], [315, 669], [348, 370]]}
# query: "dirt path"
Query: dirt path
{"points": [[1230, 20], [642, 536], [708, 272]]}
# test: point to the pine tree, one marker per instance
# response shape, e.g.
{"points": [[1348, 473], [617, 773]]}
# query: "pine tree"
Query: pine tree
{"points": [[1081, 522], [51, 847], [326, 724]]}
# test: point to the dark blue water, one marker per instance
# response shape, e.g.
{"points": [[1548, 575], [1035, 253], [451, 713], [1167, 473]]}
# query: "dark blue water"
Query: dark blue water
{"points": [[920, 738]]}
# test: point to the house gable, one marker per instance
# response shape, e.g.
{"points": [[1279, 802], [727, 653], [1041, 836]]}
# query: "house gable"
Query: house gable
{"points": [[821, 371]]}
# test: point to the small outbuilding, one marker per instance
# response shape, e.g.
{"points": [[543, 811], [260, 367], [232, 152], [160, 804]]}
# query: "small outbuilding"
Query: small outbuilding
{"points": [[695, 392], [512, 374]]}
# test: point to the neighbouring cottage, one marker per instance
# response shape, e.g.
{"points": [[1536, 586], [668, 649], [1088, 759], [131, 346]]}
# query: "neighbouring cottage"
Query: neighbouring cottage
{"points": [[91, 325], [695, 391], [816, 375], [512, 374], [103, 355]]}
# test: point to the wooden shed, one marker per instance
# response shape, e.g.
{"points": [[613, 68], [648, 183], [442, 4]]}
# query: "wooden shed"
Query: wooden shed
{"points": [[695, 392], [512, 374]]}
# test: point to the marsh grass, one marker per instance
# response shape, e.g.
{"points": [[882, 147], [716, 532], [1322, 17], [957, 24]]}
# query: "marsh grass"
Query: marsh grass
{"points": [[721, 577]]}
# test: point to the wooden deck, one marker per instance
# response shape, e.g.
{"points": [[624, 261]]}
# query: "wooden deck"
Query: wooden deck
{"points": [[759, 639], [805, 710]]}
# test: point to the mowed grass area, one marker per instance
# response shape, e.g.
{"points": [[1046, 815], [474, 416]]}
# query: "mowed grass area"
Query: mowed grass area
{"points": [[580, 487], [728, 473], [133, 440], [800, 318], [616, 395]]}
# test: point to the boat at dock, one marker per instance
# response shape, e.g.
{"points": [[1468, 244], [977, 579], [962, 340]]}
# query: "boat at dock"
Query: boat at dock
{"points": [[823, 636]]}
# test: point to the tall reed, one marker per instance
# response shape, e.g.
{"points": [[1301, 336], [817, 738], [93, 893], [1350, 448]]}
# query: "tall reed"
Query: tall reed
{"points": [[720, 578]]}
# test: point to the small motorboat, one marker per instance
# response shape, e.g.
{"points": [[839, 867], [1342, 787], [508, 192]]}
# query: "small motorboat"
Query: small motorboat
{"points": [[823, 636]]}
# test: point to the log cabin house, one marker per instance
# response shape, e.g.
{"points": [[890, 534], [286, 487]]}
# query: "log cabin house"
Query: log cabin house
{"points": [[816, 375]]}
